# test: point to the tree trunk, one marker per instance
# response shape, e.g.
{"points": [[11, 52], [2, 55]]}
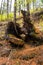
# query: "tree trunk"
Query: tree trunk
{"points": [[33, 4], [15, 16], [7, 8], [10, 5], [1, 9], [19, 8], [4, 7], [28, 7]]}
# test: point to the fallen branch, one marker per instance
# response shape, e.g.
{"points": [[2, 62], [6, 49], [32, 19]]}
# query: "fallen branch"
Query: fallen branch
{"points": [[15, 40]]}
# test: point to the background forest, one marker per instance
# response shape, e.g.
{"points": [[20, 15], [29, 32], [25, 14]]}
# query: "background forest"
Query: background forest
{"points": [[7, 7], [21, 32]]}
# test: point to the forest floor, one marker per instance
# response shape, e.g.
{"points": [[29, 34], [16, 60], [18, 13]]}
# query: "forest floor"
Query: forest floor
{"points": [[29, 54]]}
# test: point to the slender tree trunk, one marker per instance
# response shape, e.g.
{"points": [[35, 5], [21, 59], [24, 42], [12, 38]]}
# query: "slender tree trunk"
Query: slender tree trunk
{"points": [[1, 9], [15, 11], [28, 7], [24, 4], [15, 16], [10, 5], [4, 7], [28, 13], [19, 8], [7, 8], [33, 4]]}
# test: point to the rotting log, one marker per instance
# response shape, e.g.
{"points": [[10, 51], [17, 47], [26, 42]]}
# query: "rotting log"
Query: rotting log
{"points": [[13, 39]]}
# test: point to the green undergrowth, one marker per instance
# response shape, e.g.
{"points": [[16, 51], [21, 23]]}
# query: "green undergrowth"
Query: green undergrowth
{"points": [[4, 17]]}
